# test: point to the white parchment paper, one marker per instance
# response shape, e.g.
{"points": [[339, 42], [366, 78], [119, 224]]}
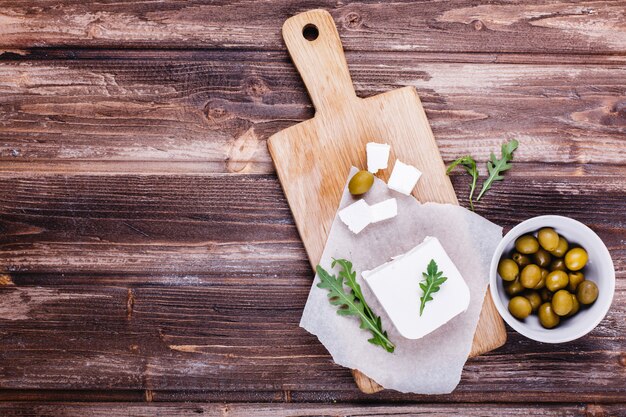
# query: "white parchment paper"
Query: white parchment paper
{"points": [[433, 364]]}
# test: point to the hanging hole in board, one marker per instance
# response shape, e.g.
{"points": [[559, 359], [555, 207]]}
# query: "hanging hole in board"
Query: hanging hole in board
{"points": [[310, 32]]}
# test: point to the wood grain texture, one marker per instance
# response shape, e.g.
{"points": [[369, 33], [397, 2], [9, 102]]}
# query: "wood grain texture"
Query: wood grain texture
{"points": [[119, 234], [536, 26], [185, 339], [215, 112], [312, 157], [305, 410], [146, 310]]}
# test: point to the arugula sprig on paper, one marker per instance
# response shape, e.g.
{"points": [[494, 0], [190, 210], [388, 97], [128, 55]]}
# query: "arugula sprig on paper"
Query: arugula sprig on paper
{"points": [[432, 283], [495, 167], [351, 302]]}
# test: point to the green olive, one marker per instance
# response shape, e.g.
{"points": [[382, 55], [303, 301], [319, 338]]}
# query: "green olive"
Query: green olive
{"points": [[508, 269], [575, 306], [547, 317], [587, 292], [530, 276], [548, 238], [542, 282], [526, 244], [546, 295], [562, 302], [558, 264], [576, 259], [521, 260], [513, 288], [561, 248], [534, 298], [542, 258], [575, 278], [520, 307], [557, 280], [361, 183]]}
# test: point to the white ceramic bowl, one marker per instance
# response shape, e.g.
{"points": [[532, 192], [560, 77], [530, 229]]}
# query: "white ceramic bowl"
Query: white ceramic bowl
{"points": [[599, 269]]}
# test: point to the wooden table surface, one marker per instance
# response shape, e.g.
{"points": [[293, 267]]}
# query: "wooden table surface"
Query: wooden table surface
{"points": [[149, 263]]}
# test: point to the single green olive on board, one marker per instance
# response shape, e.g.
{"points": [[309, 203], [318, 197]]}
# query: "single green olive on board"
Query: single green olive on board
{"points": [[587, 292], [534, 298], [575, 278], [561, 248], [361, 183], [521, 260], [508, 269], [520, 307], [542, 257], [547, 317], [557, 280], [526, 244], [530, 276], [575, 306], [513, 288], [548, 238], [562, 302], [558, 264], [546, 295], [576, 259]]}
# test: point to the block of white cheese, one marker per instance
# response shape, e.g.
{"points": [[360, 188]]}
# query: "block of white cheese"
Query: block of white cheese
{"points": [[384, 210], [403, 177], [377, 156], [396, 285], [356, 216]]}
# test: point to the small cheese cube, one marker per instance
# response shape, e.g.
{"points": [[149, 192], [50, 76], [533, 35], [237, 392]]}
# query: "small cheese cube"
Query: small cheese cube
{"points": [[384, 210], [403, 178], [377, 156], [356, 216], [396, 286]]}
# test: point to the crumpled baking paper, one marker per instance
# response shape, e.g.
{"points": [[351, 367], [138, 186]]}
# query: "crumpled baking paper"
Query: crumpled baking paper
{"points": [[433, 364]]}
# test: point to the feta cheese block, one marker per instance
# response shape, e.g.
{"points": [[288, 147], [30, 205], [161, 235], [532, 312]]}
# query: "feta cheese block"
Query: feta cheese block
{"points": [[356, 216], [384, 210], [377, 156], [396, 286], [403, 177]]}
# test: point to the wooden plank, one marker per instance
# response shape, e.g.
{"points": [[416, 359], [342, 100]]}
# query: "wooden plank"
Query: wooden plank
{"points": [[231, 225], [305, 410], [216, 113], [456, 26], [186, 338], [172, 328]]}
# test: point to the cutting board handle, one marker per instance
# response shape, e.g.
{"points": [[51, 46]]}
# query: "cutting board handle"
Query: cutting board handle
{"points": [[315, 48]]}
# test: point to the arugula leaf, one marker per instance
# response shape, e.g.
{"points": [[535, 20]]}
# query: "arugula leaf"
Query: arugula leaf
{"points": [[352, 303], [469, 164], [431, 284], [497, 166]]}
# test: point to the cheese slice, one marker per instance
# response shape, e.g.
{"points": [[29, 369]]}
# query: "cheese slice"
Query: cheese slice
{"points": [[403, 177], [356, 216], [384, 210], [396, 286], [377, 156]]}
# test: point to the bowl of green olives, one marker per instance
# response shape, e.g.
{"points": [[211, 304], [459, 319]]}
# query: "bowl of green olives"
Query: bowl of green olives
{"points": [[552, 279]]}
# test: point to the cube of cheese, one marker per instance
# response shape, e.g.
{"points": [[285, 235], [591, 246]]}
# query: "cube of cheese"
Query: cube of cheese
{"points": [[396, 286], [377, 156], [356, 216], [403, 177], [384, 210]]}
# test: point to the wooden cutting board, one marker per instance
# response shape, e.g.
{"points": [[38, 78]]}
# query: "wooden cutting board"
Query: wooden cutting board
{"points": [[313, 158]]}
